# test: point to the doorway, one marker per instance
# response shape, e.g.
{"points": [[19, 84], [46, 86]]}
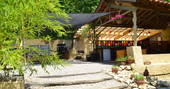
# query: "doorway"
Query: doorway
{"points": [[106, 55]]}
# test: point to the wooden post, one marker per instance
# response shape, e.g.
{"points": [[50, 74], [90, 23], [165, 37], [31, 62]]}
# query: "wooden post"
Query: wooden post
{"points": [[94, 38], [135, 36]]}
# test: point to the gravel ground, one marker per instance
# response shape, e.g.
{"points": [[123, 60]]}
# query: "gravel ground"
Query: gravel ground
{"points": [[91, 74]]}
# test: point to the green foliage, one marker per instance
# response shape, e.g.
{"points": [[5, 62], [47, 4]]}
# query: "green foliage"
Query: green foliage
{"points": [[115, 66], [79, 6], [12, 59], [139, 77], [168, 0], [130, 58], [85, 30], [122, 58], [25, 19]]}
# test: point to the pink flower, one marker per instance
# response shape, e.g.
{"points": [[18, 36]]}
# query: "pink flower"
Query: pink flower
{"points": [[119, 16], [113, 18]]}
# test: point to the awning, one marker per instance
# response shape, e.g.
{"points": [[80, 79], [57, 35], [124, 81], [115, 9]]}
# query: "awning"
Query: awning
{"points": [[80, 19]]}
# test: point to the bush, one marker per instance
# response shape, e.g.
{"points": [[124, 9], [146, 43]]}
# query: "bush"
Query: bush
{"points": [[115, 66], [139, 77], [122, 58]]}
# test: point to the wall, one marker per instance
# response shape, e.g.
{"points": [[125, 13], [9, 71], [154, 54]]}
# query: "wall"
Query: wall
{"points": [[160, 64], [166, 34], [157, 58], [54, 43], [78, 44], [81, 44]]}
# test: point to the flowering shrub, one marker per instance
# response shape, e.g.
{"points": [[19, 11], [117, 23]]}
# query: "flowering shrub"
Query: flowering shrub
{"points": [[118, 16]]}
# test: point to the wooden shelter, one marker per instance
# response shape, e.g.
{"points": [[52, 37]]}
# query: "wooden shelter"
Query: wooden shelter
{"points": [[138, 22], [152, 14]]}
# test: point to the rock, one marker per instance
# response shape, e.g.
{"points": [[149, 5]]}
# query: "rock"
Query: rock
{"points": [[144, 86], [151, 80], [135, 88], [128, 81], [134, 85], [116, 77], [119, 72], [154, 83], [120, 79], [122, 67], [128, 67], [163, 83], [151, 87]]}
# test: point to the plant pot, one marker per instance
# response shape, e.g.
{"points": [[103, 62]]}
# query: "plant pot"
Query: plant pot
{"points": [[130, 61], [139, 82], [114, 70], [12, 83], [147, 63], [121, 62]]}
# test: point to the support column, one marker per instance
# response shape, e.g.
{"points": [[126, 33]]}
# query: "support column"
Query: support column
{"points": [[135, 51], [94, 38], [135, 36]]}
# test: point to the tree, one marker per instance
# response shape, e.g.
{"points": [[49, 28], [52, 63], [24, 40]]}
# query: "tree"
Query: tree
{"points": [[79, 6], [25, 19]]}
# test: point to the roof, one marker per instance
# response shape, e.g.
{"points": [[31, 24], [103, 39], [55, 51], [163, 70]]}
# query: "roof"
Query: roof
{"points": [[120, 33], [151, 14], [163, 2]]}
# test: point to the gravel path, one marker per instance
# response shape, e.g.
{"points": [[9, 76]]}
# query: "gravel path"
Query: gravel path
{"points": [[78, 75]]}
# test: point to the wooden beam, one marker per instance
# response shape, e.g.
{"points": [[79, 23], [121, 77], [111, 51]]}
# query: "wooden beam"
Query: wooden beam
{"points": [[127, 0], [123, 7], [125, 33], [145, 16], [153, 32], [149, 18]]}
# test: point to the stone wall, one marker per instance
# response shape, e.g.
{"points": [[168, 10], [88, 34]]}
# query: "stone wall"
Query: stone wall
{"points": [[54, 43], [157, 58], [154, 69], [81, 44], [160, 64], [165, 35], [73, 46]]}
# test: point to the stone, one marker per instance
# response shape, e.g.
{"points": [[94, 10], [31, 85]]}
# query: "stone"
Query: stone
{"points": [[135, 88], [151, 87], [154, 83], [144, 86], [121, 79], [116, 77], [122, 67], [128, 81], [163, 83], [128, 67], [134, 85]]}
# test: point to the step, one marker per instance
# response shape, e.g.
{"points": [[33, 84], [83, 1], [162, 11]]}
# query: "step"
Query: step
{"points": [[108, 84], [68, 69], [69, 80]]}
